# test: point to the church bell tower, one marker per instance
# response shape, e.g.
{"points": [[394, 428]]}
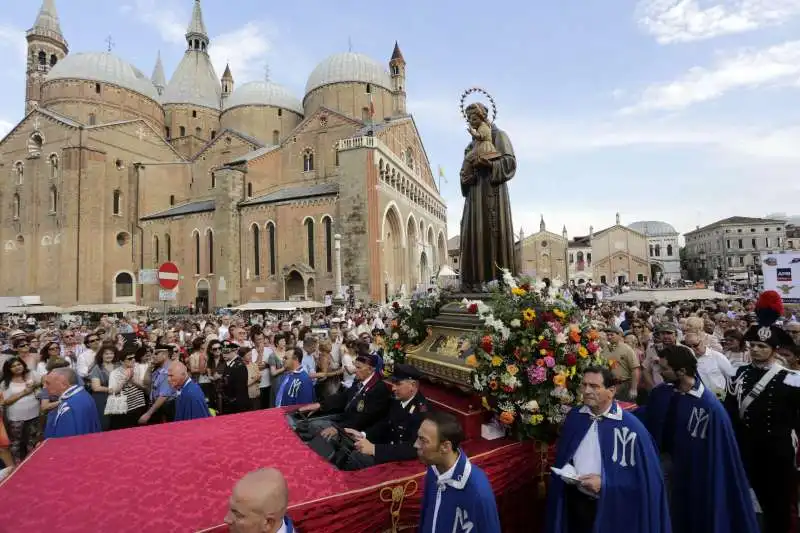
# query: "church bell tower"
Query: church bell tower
{"points": [[397, 70], [46, 47]]}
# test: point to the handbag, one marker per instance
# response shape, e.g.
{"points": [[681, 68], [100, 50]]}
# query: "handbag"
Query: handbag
{"points": [[116, 404]]}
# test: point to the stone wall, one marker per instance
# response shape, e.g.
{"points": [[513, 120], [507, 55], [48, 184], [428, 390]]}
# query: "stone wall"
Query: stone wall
{"points": [[350, 99], [270, 125]]}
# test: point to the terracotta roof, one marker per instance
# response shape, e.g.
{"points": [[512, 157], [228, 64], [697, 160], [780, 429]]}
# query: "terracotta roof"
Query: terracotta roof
{"points": [[288, 194]]}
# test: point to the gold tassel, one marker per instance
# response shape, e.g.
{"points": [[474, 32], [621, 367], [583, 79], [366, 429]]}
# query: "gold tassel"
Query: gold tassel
{"points": [[541, 489]]}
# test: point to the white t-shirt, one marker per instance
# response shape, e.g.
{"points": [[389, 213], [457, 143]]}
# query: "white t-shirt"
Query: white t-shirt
{"points": [[347, 377], [27, 407], [265, 375]]}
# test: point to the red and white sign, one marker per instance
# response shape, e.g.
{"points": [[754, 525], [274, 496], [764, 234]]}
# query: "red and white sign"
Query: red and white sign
{"points": [[168, 276]]}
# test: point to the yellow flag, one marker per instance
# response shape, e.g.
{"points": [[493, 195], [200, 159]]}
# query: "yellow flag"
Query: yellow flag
{"points": [[441, 173]]}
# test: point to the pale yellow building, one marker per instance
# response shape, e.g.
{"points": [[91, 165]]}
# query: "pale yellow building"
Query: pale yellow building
{"points": [[112, 172], [543, 255], [620, 255]]}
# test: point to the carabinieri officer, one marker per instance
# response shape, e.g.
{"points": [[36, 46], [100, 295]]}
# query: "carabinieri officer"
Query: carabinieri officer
{"points": [[392, 438]]}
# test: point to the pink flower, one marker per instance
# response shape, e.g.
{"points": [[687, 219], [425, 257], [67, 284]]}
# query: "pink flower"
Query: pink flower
{"points": [[592, 347], [549, 362], [537, 374]]}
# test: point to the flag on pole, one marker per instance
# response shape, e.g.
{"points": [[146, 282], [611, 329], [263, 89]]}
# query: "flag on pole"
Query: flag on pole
{"points": [[441, 174]]}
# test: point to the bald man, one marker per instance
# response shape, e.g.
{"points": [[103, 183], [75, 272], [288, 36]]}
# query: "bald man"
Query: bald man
{"points": [[190, 402], [76, 413], [258, 504]]}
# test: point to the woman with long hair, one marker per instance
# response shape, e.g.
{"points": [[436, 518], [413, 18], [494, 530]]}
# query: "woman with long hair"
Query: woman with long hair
{"points": [[21, 408], [98, 379], [214, 372]]}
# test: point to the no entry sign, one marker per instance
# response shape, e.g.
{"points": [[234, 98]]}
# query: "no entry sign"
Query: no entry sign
{"points": [[168, 276]]}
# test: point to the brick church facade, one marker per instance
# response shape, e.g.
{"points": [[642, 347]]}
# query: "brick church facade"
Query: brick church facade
{"points": [[112, 172]]}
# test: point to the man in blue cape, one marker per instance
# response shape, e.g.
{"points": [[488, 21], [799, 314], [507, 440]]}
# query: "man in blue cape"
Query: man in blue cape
{"points": [[606, 477], [258, 504], [708, 488], [296, 386], [76, 413], [458, 497], [190, 402]]}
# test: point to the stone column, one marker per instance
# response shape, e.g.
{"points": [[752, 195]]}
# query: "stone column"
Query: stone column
{"points": [[337, 265]]}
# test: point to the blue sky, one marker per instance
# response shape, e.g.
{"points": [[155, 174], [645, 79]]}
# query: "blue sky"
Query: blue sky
{"points": [[679, 110]]}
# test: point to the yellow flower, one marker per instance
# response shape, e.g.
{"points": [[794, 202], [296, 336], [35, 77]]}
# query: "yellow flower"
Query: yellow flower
{"points": [[512, 369], [529, 314], [497, 361], [543, 351], [535, 420], [485, 404], [560, 380], [583, 352], [516, 291], [559, 313], [541, 337]]}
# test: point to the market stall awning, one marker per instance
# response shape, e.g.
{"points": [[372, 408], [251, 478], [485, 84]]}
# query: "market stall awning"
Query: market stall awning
{"points": [[106, 308], [267, 306], [668, 295], [36, 309]]}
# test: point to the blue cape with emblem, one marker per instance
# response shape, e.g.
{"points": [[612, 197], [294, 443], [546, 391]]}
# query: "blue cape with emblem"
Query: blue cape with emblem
{"points": [[709, 490], [190, 402], [296, 388], [75, 415], [632, 497], [463, 503]]}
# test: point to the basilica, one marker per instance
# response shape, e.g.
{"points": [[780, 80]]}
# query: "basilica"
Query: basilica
{"points": [[248, 189]]}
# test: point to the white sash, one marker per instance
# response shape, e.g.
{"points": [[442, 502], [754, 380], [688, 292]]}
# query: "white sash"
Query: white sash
{"points": [[758, 389]]}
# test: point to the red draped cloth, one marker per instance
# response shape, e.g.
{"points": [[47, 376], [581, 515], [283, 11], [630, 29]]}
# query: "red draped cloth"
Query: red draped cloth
{"points": [[178, 477]]}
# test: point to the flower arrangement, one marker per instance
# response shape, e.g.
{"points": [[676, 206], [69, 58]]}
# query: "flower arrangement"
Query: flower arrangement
{"points": [[408, 324], [530, 359]]}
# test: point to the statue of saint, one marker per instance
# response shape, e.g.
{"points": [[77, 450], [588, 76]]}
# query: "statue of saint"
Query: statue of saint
{"points": [[487, 234]]}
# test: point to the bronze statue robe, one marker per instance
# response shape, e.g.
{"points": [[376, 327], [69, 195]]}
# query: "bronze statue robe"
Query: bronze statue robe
{"points": [[487, 234]]}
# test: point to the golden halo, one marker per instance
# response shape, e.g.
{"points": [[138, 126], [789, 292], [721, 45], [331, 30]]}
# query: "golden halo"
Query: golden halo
{"points": [[471, 90]]}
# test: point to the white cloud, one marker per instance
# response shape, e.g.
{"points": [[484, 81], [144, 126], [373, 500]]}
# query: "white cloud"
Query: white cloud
{"points": [[776, 65], [245, 49], [14, 49], [165, 16], [674, 21]]}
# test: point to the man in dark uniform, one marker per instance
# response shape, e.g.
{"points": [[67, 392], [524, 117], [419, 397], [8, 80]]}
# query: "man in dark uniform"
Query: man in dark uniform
{"points": [[235, 398], [392, 438], [358, 407], [763, 402]]}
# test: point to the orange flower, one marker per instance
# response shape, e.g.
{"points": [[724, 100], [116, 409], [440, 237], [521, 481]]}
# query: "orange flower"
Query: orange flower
{"points": [[493, 384], [574, 335], [471, 360], [394, 324], [559, 380], [540, 362], [512, 369], [507, 418], [593, 335]]}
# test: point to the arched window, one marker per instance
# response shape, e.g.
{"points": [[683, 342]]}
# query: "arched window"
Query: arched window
{"points": [[336, 155], [53, 166], [249, 189], [213, 134], [124, 285], [182, 131], [276, 137], [326, 223], [273, 265], [53, 199], [155, 249], [658, 250], [652, 252], [168, 246], [42, 58], [92, 119], [308, 160], [410, 158], [369, 88], [117, 202], [171, 199], [310, 241], [167, 132], [256, 251], [669, 250], [210, 241], [589, 259], [19, 169], [198, 132], [16, 206], [53, 60], [197, 252], [213, 181]]}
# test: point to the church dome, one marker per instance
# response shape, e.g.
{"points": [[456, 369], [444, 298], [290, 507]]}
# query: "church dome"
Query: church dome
{"points": [[264, 93], [348, 67], [106, 68], [653, 228]]}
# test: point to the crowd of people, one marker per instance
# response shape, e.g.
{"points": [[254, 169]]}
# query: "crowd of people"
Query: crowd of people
{"points": [[711, 392]]}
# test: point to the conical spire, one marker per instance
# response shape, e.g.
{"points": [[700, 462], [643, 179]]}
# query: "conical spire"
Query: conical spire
{"points": [[542, 227], [197, 27], [47, 20], [159, 79], [227, 74], [396, 53]]}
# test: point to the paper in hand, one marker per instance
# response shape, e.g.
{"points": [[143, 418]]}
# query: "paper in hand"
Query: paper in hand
{"points": [[568, 474]]}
